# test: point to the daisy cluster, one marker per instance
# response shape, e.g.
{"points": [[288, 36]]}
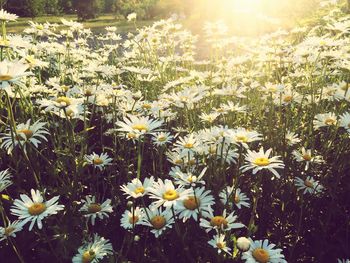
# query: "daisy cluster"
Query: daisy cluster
{"points": [[136, 148]]}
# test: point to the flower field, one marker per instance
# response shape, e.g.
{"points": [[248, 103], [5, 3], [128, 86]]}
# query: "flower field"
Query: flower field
{"points": [[137, 149]]}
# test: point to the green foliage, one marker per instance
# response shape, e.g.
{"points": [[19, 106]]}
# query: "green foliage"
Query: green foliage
{"points": [[26, 7]]}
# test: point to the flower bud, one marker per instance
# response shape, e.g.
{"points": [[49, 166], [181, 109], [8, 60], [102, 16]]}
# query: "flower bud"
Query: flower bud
{"points": [[243, 243]]}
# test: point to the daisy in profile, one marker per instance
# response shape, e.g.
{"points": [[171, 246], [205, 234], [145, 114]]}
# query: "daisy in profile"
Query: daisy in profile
{"points": [[5, 179], [10, 230], [166, 194], [135, 126], [92, 209], [345, 121], [325, 120], [292, 138], [162, 138], [243, 136], [198, 203], [98, 161], [136, 188], [159, 220], [309, 185], [223, 222], [131, 218], [11, 72], [93, 251], [230, 196], [261, 160], [5, 16], [306, 156], [25, 133], [262, 252], [187, 179], [218, 242], [35, 209]]}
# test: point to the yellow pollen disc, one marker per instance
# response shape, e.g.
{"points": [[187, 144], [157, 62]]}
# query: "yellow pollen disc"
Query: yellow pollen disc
{"points": [[97, 161], [261, 255], [88, 93], [349, 125], [307, 157], [241, 138], [161, 138], [64, 101], [5, 77], [192, 162], [178, 161], [133, 219], [308, 183], [88, 256], [94, 208], [191, 203], [9, 230], [188, 145], [147, 106], [170, 195], [237, 199], [261, 161], [219, 221], [287, 98], [212, 149], [139, 190], [28, 133], [330, 121], [36, 209], [140, 127], [131, 135], [158, 222], [220, 245], [70, 112]]}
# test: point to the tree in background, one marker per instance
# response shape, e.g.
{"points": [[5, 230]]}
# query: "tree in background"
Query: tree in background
{"points": [[30, 8], [141, 7], [87, 9]]}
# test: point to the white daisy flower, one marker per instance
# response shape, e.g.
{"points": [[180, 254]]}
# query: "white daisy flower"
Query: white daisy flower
{"points": [[131, 218], [188, 178], [166, 194], [161, 138], [345, 121], [198, 203], [218, 242], [93, 251], [305, 155], [5, 179], [262, 252], [230, 196], [25, 133], [187, 144], [99, 161], [136, 188], [258, 161], [325, 120], [135, 126], [158, 219], [11, 72], [243, 136], [10, 230], [343, 260], [92, 209], [5, 16], [35, 209], [224, 222], [309, 185], [292, 138]]}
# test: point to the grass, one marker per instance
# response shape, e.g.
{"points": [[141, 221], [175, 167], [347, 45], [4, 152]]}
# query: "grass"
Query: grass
{"points": [[96, 25]]}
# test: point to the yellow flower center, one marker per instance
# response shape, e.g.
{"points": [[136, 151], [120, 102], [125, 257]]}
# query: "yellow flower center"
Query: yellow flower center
{"points": [[161, 138], [5, 77], [219, 221], [131, 135], [158, 222], [188, 145], [237, 199], [262, 161], [140, 127], [261, 255], [139, 190], [241, 138], [36, 209], [146, 106], [88, 256], [28, 133], [307, 157], [220, 245], [9, 230], [97, 161], [133, 219], [170, 195], [330, 121], [191, 203], [63, 101], [94, 208], [287, 98], [308, 184]]}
